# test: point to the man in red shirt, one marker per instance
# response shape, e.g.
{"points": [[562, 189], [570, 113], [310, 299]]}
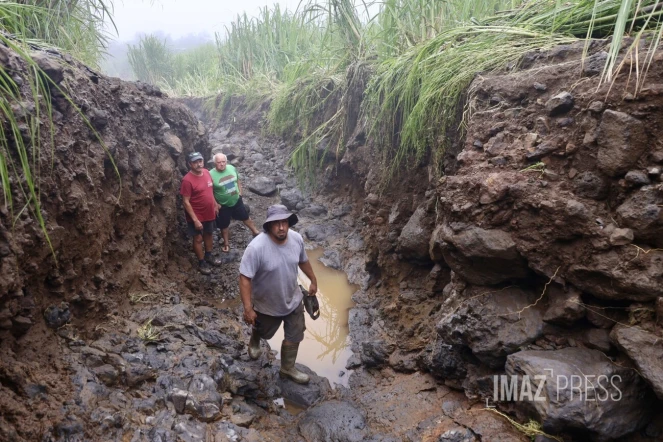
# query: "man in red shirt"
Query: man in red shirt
{"points": [[201, 209]]}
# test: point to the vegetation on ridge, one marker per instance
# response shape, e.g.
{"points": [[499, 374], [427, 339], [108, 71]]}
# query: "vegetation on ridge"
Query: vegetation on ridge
{"points": [[423, 56]]}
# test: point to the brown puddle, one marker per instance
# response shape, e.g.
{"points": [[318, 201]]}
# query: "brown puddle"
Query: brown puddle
{"points": [[326, 345]]}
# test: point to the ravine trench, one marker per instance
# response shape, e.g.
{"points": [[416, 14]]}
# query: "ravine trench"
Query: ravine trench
{"points": [[537, 253]]}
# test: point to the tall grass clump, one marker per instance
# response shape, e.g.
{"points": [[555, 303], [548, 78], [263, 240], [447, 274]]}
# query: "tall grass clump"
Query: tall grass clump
{"points": [[74, 26], [151, 60]]}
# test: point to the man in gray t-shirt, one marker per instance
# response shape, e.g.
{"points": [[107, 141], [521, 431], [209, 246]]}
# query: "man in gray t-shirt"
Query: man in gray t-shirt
{"points": [[269, 289]]}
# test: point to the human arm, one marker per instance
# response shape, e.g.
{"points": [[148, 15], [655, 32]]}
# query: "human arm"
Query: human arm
{"points": [[239, 188], [186, 201], [245, 293], [308, 271]]}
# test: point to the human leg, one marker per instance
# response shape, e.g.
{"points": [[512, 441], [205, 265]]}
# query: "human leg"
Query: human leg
{"points": [[241, 214], [198, 246], [222, 222], [226, 243], [208, 239], [265, 328], [294, 326], [252, 227]]}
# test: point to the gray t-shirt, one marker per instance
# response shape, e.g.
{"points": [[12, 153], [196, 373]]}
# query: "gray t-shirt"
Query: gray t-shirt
{"points": [[273, 269]]}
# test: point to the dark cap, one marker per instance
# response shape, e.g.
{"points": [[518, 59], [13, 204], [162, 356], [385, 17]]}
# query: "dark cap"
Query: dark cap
{"points": [[277, 212], [195, 156]]}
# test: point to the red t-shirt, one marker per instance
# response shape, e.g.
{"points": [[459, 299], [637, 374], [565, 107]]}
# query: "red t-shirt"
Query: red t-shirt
{"points": [[201, 193]]}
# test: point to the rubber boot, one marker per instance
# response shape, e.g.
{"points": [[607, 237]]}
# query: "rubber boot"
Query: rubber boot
{"points": [[254, 345], [288, 370]]}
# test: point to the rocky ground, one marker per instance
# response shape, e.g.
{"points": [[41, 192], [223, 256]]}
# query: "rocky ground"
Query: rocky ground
{"points": [[536, 251]]}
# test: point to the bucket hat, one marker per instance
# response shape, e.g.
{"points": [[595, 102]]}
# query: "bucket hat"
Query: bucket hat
{"points": [[277, 212], [195, 156]]}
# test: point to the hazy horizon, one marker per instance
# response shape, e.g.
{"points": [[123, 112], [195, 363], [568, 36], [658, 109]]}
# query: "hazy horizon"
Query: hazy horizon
{"points": [[180, 18]]}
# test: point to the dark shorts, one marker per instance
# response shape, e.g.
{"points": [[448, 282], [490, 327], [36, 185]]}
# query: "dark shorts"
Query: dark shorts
{"points": [[293, 325], [238, 212], [208, 227]]}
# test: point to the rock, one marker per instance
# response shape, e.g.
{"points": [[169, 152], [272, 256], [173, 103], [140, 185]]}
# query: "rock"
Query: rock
{"points": [[598, 339], [559, 104], [341, 210], [540, 87], [20, 325], [290, 198], [238, 377], [482, 257], [637, 178], [594, 64], [590, 185], [616, 274], [332, 259], [333, 421], [413, 242], [304, 395], [99, 119], [320, 232], [375, 353], [106, 373], [646, 350], [447, 361], [314, 211], [576, 209], [601, 317], [621, 237], [643, 213], [178, 397], [372, 199], [596, 106], [583, 389], [173, 143], [659, 311], [565, 306], [136, 374], [262, 186], [493, 323], [49, 66], [457, 435], [57, 316], [541, 150], [622, 141], [167, 315], [187, 431], [203, 401], [242, 420], [216, 339]]}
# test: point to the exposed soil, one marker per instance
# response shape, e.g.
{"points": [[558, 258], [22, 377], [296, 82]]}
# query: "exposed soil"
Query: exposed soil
{"points": [[541, 237]]}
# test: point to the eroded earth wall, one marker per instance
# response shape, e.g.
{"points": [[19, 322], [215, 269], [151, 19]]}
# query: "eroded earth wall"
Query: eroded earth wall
{"points": [[538, 253], [110, 235]]}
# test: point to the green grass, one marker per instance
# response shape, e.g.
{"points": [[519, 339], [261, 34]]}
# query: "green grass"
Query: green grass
{"points": [[424, 55]]}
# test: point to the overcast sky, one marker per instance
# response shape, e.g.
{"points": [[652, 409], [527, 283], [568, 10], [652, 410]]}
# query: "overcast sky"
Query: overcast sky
{"points": [[182, 17]]}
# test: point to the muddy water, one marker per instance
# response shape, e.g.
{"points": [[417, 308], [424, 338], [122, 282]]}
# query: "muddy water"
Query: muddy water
{"points": [[326, 345]]}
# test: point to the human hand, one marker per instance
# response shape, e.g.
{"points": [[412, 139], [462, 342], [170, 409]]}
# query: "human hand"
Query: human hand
{"points": [[312, 289], [250, 316], [198, 225]]}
